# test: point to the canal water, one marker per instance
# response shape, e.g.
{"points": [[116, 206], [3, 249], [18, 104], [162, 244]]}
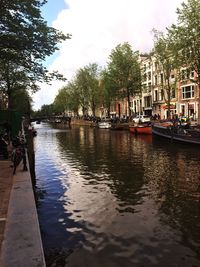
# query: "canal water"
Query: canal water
{"points": [[112, 199]]}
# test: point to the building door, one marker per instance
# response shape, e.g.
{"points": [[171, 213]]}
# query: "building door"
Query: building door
{"points": [[119, 110], [191, 110], [182, 110]]}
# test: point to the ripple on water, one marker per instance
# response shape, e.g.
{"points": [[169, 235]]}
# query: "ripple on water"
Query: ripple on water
{"points": [[116, 200]]}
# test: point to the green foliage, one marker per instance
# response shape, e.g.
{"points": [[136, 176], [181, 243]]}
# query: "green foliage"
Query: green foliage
{"points": [[93, 72], [108, 89], [186, 36], [82, 89], [124, 71], [25, 42], [165, 53], [45, 111], [67, 99], [87, 84], [22, 102]]}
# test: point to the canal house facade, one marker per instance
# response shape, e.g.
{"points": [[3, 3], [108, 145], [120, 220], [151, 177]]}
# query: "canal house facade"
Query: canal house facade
{"points": [[153, 97], [188, 94], [152, 100]]}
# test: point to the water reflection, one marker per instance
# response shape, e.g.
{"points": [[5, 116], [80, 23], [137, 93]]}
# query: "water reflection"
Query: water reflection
{"points": [[113, 199]]}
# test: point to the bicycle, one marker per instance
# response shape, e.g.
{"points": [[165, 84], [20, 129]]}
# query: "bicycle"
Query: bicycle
{"points": [[19, 154]]}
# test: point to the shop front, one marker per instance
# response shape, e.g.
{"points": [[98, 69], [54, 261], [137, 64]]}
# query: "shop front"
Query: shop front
{"points": [[165, 111]]}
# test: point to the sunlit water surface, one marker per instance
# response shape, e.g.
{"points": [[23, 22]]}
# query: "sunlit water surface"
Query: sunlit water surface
{"points": [[109, 198]]}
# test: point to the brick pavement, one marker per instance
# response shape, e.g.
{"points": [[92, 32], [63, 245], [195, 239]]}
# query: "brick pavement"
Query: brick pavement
{"points": [[6, 182]]}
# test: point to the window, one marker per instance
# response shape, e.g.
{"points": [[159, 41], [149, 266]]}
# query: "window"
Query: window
{"points": [[156, 95], [188, 74], [161, 95], [185, 74], [161, 78], [144, 87], [156, 80], [188, 92], [149, 75], [173, 93], [147, 101]]}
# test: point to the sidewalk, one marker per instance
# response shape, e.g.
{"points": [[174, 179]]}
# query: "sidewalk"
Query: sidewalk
{"points": [[6, 182], [20, 239]]}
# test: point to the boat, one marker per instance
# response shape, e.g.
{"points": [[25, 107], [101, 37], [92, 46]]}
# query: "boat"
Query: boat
{"points": [[141, 129], [132, 129], [104, 124], [119, 126], [144, 129], [179, 134]]}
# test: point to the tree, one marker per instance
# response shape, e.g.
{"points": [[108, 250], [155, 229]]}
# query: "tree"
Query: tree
{"points": [[92, 73], [60, 101], [187, 37], [12, 79], [67, 99], [73, 98], [82, 90], [164, 53], [25, 42], [124, 71], [108, 90], [87, 84], [22, 102], [46, 111]]}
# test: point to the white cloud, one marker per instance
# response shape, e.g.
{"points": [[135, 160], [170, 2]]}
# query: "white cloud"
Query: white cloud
{"points": [[97, 26]]}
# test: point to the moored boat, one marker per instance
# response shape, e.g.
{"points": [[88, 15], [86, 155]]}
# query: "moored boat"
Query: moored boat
{"points": [[119, 126], [144, 129], [141, 129], [104, 124], [132, 129], [180, 134]]}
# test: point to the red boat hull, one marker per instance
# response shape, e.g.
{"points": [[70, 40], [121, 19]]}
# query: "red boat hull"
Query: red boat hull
{"points": [[144, 130], [141, 129], [132, 129]]}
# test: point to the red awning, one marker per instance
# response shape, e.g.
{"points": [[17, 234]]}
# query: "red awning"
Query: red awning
{"points": [[171, 107]]}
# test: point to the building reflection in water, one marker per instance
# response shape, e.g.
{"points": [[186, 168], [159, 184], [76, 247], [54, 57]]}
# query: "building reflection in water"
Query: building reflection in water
{"points": [[127, 199]]}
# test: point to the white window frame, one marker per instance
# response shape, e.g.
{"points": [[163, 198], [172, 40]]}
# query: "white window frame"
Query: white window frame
{"points": [[184, 92]]}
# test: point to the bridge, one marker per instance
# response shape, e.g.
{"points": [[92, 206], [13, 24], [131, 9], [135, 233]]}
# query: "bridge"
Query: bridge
{"points": [[52, 118]]}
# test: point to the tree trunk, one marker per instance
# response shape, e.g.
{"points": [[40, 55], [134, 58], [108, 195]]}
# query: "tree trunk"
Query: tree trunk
{"points": [[128, 100], [198, 84], [93, 108], [9, 94], [168, 98]]}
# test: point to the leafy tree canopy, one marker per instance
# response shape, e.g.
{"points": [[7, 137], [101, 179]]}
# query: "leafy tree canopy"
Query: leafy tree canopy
{"points": [[67, 99], [166, 54], [186, 36], [124, 69], [25, 42], [187, 33]]}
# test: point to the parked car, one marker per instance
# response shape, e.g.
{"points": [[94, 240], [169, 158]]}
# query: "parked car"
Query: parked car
{"points": [[141, 118]]}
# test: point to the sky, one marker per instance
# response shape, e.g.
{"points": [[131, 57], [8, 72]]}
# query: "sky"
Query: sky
{"points": [[97, 27]]}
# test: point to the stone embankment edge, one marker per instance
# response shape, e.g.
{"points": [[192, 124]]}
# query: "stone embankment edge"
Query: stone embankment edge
{"points": [[22, 244]]}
